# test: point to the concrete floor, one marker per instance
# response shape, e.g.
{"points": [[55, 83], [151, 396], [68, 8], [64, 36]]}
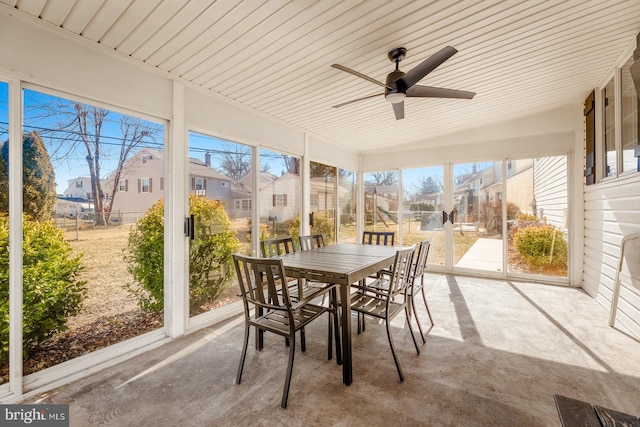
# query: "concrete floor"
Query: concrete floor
{"points": [[497, 354]]}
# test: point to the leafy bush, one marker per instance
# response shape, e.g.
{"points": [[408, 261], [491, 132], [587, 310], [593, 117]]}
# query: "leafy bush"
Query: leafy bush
{"points": [[210, 255], [321, 225], [540, 243], [51, 289]]}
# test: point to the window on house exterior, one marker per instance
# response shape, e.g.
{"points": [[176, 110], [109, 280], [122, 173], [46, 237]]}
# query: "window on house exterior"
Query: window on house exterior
{"points": [[243, 204], [144, 160], [122, 185], [280, 200], [78, 184], [609, 101], [198, 183], [145, 185], [629, 111]]}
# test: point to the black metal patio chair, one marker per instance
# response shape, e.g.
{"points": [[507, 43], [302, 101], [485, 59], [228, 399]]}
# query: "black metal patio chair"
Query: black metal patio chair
{"points": [[268, 307], [386, 297]]}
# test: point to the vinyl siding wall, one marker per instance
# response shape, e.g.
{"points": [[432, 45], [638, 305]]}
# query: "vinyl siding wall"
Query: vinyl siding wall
{"points": [[550, 189], [611, 211]]}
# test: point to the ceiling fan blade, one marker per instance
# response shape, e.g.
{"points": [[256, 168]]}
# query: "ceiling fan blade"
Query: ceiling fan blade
{"points": [[398, 110], [428, 65], [355, 73], [357, 100], [418, 91]]}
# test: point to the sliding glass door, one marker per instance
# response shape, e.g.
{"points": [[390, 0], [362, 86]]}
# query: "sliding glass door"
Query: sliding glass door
{"points": [[476, 218]]}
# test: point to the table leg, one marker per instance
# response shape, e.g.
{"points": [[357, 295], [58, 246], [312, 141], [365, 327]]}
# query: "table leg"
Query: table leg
{"points": [[347, 373]]}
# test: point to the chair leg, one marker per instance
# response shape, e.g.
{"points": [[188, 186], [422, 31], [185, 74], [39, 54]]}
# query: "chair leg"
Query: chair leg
{"points": [[330, 338], [244, 354], [424, 297], [336, 322], [415, 343], [303, 343], [287, 382], [411, 305], [393, 350]]}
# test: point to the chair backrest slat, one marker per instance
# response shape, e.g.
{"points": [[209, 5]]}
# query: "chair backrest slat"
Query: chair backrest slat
{"points": [[275, 247], [311, 242], [401, 271], [420, 262], [260, 281], [385, 238]]}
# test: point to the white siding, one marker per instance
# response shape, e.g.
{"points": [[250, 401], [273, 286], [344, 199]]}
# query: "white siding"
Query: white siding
{"points": [[612, 210], [550, 189]]}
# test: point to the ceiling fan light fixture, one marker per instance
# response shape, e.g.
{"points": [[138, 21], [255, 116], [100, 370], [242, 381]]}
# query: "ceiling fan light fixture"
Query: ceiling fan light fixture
{"points": [[395, 97]]}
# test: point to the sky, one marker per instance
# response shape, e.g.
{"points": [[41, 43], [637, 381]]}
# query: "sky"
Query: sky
{"points": [[48, 115]]}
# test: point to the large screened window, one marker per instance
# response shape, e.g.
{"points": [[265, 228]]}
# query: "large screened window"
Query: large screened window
{"points": [[537, 209], [220, 180], [609, 100], [323, 195], [477, 215], [629, 111], [381, 202], [280, 186], [93, 209], [422, 206], [4, 232], [347, 203]]}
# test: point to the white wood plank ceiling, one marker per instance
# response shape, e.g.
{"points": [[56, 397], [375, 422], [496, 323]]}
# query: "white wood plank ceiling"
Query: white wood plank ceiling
{"points": [[274, 56]]}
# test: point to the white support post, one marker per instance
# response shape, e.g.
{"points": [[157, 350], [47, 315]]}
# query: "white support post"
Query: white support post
{"points": [[176, 248], [305, 227], [15, 239]]}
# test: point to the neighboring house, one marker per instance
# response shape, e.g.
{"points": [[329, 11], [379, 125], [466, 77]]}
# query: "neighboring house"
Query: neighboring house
{"points": [[520, 185], [207, 181], [78, 188], [141, 184], [323, 195], [280, 199]]}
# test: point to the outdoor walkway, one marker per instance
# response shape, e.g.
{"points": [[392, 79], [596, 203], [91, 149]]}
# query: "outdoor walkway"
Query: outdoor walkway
{"points": [[484, 254]]}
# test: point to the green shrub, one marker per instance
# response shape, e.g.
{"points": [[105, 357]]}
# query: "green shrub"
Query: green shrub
{"points": [[321, 225], [210, 255], [538, 244], [51, 289]]}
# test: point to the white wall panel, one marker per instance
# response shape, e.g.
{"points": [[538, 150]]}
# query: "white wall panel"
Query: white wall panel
{"points": [[44, 57], [550, 132], [238, 124], [330, 154]]}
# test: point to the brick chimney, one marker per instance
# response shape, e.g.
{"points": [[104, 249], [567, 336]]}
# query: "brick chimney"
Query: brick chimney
{"points": [[207, 159]]}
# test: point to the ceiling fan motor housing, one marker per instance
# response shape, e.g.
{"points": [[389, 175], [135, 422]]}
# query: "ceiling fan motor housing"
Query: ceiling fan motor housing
{"points": [[394, 86]]}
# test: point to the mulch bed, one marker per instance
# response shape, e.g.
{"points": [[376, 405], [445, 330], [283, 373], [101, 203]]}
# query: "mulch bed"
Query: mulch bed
{"points": [[85, 339]]}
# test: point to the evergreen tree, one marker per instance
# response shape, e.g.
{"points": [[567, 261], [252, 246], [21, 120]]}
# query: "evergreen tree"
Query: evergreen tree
{"points": [[38, 178]]}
